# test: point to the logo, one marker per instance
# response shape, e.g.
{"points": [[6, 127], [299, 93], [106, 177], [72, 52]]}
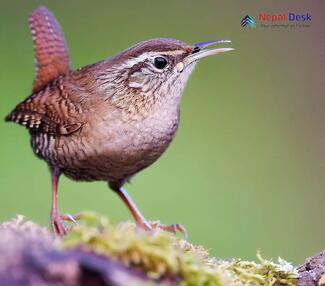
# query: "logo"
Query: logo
{"points": [[248, 21], [278, 20], [284, 17]]}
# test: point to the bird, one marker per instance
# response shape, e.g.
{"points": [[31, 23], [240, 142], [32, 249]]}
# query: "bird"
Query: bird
{"points": [[109, 120]]}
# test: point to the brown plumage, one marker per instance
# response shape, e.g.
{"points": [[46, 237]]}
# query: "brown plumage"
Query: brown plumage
{"points": [[109, 120]]}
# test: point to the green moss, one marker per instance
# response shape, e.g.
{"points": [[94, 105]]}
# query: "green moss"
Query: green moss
{"points": [[161, 254]]}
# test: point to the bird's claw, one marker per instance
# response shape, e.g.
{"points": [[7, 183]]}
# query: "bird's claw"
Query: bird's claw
{"points": [[173, 228], [58, 220], [71, 218]]}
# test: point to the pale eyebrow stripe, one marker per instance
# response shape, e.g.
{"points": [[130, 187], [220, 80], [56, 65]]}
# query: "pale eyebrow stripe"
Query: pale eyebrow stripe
{"points": [[145, 56], [172, 53]]}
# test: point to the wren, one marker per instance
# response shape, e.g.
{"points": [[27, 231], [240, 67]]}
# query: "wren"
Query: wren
{"points": [[109, 120]]}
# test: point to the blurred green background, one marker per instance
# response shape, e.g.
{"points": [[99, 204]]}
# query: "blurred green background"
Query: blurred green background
{"points": [[246, 170]]}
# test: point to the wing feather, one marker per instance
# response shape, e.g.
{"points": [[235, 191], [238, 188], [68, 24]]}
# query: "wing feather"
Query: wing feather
{"points": [[48, 111]]}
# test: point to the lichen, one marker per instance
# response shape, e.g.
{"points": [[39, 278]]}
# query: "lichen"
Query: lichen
{"points": [[161, 254]]}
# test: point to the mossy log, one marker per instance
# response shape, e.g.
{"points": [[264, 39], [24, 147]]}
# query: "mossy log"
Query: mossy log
{"points": [[96, 252]]}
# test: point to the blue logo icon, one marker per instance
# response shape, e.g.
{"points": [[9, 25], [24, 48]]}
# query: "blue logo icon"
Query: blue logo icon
{"points": [[248, 21]]}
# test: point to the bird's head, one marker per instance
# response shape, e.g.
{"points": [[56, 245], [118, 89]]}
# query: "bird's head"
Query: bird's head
{"points": [[152, 71]]}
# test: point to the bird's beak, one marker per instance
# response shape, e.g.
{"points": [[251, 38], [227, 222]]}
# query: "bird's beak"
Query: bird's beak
{"points": [[199, 52]]}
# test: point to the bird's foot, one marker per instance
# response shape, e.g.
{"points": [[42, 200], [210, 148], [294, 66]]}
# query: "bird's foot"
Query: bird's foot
{"points": [[173, 228], [58, 227], [71, 218], [57, 222], [141, 222]]}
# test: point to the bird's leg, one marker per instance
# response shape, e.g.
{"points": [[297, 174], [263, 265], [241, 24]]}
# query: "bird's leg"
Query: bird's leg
{"points": [[56, 218], [137, 215], [56, 221], [141, 221]]}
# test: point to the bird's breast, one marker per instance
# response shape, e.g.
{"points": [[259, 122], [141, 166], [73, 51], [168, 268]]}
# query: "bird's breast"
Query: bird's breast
{"points": [[140, 139], [114, 148]]}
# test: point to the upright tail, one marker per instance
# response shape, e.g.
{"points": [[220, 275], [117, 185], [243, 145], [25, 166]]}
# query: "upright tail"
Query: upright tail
{"points": [[51, 52]]}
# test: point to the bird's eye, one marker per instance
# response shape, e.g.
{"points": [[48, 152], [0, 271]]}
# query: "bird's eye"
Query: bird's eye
{"points": [[160, 62]]}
